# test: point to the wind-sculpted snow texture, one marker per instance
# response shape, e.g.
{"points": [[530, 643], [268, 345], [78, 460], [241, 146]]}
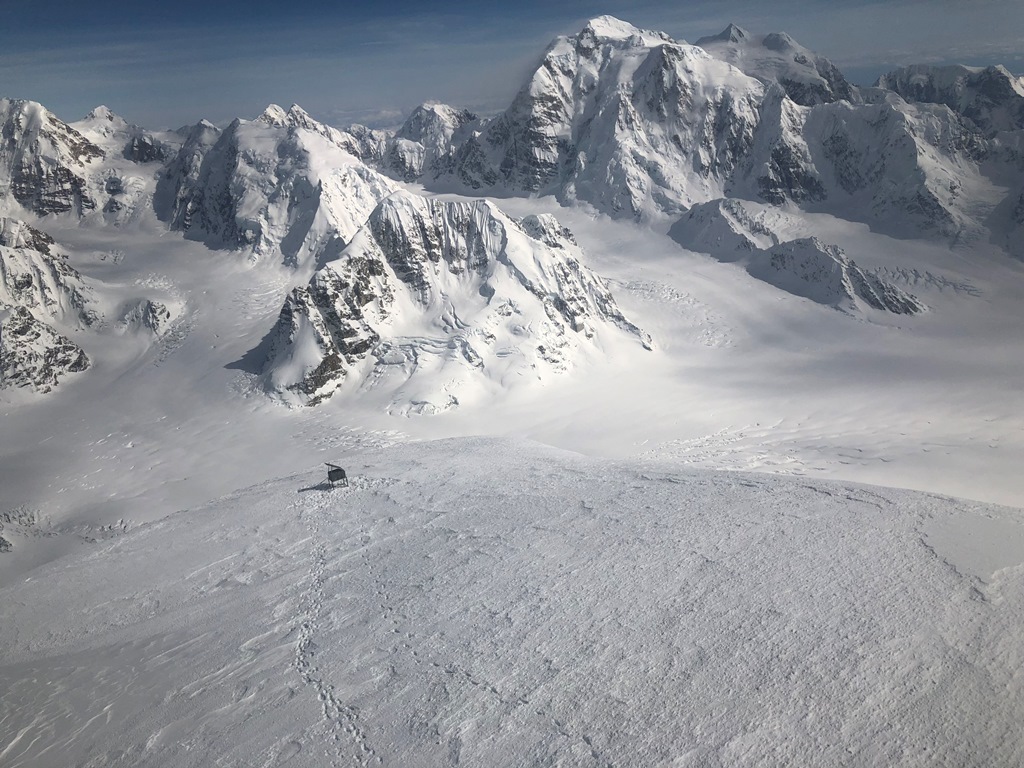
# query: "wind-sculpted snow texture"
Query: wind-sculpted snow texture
{"points": [[483, 602], [806, 267], [458, 290], [279, 187]]}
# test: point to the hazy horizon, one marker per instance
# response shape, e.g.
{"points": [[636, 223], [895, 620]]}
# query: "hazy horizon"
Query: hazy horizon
{"points": [[163, 67]]}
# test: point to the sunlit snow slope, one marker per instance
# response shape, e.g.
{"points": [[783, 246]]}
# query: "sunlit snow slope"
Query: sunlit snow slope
{"points": [[487, 602]]}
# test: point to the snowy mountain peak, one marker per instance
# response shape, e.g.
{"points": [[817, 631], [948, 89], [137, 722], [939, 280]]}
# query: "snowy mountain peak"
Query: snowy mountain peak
{"points": [[608, 29], [43, 160], [432, 119], [731, 34], [627, 120], [282, 186], [807, 77], [273, 115], [443, 301], [104, 113]]}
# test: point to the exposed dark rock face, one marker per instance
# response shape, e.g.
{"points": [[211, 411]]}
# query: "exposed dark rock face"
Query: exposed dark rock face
{"points": [[481, 289], [146, 314], [279, 187], [44, 159], [146, 149], [18, 234], [992, 98], [825, 274], [35, 355]]}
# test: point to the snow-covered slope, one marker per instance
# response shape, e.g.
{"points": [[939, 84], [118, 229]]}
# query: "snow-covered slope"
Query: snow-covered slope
{"points": [[489, 602], [756, 237], [807, 77], [444, 300], [825, 274], [992, 98], [624, 119], [726, 228], [279, 187]]}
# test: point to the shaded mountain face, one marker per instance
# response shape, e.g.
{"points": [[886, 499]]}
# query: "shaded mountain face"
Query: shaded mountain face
{"points": [[990, 97], [806, 77], [732, 231], [44, 162], [825, 274], [425, 138], [279, 187], [446, 301]]}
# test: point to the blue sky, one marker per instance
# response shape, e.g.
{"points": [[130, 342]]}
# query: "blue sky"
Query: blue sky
{"points": [[168, 64]]}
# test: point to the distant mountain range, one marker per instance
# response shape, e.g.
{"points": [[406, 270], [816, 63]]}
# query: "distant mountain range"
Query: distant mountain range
{"points": [[621, 120]]}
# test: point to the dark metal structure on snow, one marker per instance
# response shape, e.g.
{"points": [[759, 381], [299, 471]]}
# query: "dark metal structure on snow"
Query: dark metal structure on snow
{"points": [[336, 474]]}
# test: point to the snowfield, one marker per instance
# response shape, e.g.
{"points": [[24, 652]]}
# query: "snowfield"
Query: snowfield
{"points": [[497, 602], [646, 445]]}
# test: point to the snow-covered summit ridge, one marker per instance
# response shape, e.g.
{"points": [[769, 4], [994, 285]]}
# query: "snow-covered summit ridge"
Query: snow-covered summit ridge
{"points": [[609, 28], [278, 187], [624, 119], [807, 77], [444, 302]]}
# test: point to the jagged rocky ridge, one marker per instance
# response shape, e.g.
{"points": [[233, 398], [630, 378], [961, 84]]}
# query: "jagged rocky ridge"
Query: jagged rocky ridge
{"points": [[280, 187], [824, 273], [807, 267], [44, 162], [38, 290], [456, 289], [625, 119], [992, 98], [641, 126]]}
